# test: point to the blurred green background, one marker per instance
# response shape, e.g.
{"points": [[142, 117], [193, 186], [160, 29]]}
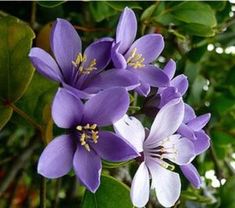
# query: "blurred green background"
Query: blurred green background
{"points": [[199, 36]]}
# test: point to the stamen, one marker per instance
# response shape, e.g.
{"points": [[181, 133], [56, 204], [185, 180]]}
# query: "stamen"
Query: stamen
{"points": [[79, 62], [88, 134], [135, 60]]}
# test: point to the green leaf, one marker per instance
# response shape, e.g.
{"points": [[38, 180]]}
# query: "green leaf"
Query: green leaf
{"points": [[195, 12], [100, 11], [222, 139], [120, 5], [111, 194], [198, 29], [5, 115], [16, 70], [50, 4], [107, 164]]}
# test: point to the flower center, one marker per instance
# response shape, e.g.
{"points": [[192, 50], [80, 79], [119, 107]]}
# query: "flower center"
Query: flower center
{"points": [[88, 133], [165, 150], [135, 59], [79, 64]]}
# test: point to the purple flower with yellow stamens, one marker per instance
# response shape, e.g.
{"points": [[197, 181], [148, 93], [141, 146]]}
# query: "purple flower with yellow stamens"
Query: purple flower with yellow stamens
{"points": [[136, 56], [77, 71], [159, 148], [85, 143]]}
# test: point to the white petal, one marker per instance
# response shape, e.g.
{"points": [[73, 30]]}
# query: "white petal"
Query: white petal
{"points": [[166, 184], [131, 130], [183, 148], [167, 121], [140, 186]]}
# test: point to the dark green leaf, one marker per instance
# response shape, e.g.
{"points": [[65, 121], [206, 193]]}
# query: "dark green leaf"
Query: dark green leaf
{"points": [[120, 5], [5, 115], [111, 194], [50, 4], [16, 70]]}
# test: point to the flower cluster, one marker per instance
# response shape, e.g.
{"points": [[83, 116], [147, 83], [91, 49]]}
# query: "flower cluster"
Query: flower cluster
{"points": [[94, 93]]}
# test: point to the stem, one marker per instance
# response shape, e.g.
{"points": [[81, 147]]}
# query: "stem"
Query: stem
{"points": [[90, 29], [57, 190], [25, 116], [218, 170], [33, 14], [19, 163], [43, 192]]}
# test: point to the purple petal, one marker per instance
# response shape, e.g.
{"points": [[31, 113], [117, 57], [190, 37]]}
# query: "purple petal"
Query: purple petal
{"points": [[190, 172], [199, 122], [100, 51], [140, 186], [183, 148], [167, 121], [106, 107], [170, 68], [131, 130], [143, 89], [112, 148], [187, 132], [76, 92], [118, 59], [180, 83], [65, 44], [45, 64], [189, 113], [67, 109], [166, 184], [202, 142], [149, 46], [152, 76], [59, 149], [87, 167], [126, 29], [167, 95], [113, 78]]}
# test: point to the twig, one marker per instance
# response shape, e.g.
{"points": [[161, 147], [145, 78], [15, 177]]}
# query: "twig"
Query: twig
{"points": [[43, 192], [33, 14], [25, 116], [90, 29], [57, 190], [19, 163]]}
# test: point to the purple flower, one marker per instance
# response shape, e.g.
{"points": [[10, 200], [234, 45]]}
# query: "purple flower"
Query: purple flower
{"points": [[85, 143], [176, 87], [159, 148], [191, 128], [136, 57], [78, 72]]}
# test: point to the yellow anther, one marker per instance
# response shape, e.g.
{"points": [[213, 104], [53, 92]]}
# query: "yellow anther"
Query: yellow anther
{"points": [[79, 128], [135, 60], [87, 126], [88, 133], [87, 147], [93, 126], [79, 64]]}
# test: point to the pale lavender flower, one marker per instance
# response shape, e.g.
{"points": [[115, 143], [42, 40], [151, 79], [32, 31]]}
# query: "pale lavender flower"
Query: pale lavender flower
{"points": [[176, 87], [85, 143], [137, 56], [191, 128], [79, 72], [159, 148]]}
